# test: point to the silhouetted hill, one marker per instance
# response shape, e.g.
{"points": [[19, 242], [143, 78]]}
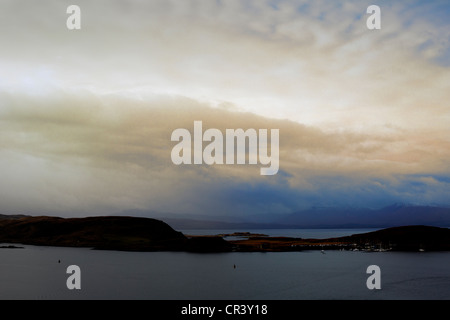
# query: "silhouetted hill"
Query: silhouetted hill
{"points": [[119, 233], [406, 238], [104, 232]]}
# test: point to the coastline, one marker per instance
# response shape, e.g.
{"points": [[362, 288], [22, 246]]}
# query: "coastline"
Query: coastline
{"points": [[126, 233]]}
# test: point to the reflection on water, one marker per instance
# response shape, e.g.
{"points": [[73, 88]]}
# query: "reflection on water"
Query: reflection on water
{"points": [[36, 273]]}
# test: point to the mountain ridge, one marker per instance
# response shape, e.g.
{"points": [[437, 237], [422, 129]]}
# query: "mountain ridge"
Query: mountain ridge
{"points": [[397, 214]]}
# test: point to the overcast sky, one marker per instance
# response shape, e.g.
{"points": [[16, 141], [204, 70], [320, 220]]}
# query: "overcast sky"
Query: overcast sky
{"points": [[86, 115]]}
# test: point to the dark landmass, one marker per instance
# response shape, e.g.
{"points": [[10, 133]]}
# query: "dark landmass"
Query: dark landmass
{"points": [[12, 216], [242, 234], [10, 247], [146, 234], [409, 238], [208, 244], [406, 238], [104, 233], [116, 233]]}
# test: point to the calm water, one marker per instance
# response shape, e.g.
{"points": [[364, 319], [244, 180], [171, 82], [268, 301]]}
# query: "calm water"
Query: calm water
{"points": [[34, 273]]}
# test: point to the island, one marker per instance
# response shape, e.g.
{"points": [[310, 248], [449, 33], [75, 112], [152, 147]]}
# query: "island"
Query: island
{"points": [[146, 234]]}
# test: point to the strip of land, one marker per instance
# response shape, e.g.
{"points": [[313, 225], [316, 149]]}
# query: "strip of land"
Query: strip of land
{"points": [[146, 234]]}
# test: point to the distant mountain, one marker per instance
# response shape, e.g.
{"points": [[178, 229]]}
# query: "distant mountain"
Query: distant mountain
{"points": [[12, 216], [186, 224], [398, 214], [390, 216]]}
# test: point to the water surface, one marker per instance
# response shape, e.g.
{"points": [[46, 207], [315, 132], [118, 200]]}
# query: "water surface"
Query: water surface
{"points": [[35, 273]]}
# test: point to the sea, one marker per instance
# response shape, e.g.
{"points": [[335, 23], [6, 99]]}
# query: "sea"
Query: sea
{"points": [[41, 273]]}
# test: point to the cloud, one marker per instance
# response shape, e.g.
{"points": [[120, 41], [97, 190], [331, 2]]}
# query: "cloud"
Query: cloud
{"points": [[107, 153], [87, 115], [315, 63]]}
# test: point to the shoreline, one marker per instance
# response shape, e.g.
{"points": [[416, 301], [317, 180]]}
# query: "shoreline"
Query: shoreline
{"points": [[125, 233]]}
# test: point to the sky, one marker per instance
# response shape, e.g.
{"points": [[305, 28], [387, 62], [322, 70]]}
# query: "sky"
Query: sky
{"points": [[86, 116]]}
